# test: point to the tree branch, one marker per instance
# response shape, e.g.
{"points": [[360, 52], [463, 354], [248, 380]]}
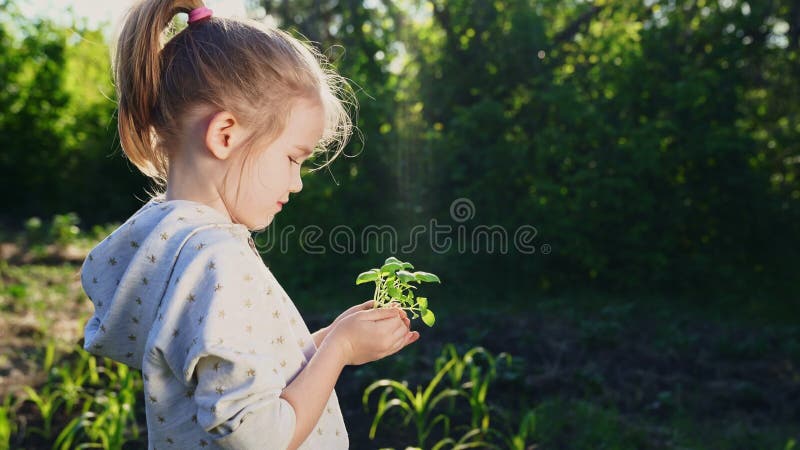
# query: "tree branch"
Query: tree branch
{"points": [[572, 29]]}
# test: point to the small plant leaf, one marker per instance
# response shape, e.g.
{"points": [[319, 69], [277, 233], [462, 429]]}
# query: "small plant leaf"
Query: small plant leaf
{"points": [[391, 267], [426, 277], [423, 305], [394, 292], [428, 317], [391, 260], [366, 277], [406, 276]]}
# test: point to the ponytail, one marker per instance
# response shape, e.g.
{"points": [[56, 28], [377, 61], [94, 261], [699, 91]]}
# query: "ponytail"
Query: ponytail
{"points": [[137, 74]]}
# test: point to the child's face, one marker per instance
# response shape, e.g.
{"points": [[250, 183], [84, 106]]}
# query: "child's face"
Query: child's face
{"points": [[271, 174]]}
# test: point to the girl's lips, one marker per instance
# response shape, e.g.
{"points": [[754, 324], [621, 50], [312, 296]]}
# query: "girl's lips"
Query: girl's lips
{"points": [[280, 206]]}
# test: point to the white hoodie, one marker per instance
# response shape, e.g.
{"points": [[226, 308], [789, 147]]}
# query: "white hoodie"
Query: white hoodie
{"points": [[181, 294]]}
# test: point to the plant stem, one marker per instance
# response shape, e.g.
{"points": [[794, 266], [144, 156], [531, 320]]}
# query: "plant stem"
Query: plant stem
{"points": [[375, 295]]}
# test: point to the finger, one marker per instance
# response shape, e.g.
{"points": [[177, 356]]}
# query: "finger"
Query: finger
{"points": [[407, 321], [405, 340], [399, 333], [394, 304], [392, 338], [369, 304], [385, 329], [395, 346], [378, 314]]}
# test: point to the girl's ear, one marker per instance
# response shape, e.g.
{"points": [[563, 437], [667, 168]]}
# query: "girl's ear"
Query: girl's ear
{"points": [[223, 135]]}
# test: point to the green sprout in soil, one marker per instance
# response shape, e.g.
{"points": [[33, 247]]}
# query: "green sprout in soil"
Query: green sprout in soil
{"points": [[392, 283]]}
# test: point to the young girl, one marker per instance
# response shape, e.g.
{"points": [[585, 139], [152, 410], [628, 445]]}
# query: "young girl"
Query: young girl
{"points": [[223, 116]]}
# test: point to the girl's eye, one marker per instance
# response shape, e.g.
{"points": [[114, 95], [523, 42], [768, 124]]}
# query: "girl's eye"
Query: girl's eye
{"points": [[292, 160]]}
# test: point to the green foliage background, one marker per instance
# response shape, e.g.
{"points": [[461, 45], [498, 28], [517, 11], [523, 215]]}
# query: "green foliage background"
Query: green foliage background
{"points": [[653, 144]]}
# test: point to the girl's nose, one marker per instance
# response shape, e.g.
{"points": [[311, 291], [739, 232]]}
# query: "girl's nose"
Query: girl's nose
{"points": [[297, 183]]}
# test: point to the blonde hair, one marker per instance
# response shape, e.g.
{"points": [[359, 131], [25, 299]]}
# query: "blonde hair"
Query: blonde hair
{"points": [[255, 71]]}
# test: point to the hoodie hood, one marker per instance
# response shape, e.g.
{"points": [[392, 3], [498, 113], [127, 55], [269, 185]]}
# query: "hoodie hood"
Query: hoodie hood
{"points": [[126, 275]]}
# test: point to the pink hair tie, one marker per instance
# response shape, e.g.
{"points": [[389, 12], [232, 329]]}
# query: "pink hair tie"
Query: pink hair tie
{"points": [[200, 14]]}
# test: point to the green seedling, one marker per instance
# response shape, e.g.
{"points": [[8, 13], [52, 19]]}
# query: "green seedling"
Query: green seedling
{"points": [[48, 401], [393, 283], [7, 424], [418, 406], [521, 439]]}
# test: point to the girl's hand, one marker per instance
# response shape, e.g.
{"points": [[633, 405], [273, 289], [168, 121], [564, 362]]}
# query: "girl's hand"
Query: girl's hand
{"points": [[367, 335], [367, 305], [320, 335], [361, 307]]}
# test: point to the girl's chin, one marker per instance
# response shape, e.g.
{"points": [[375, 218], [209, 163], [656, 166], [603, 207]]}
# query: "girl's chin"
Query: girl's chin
{"points": [[267, 222], [260, 225]]}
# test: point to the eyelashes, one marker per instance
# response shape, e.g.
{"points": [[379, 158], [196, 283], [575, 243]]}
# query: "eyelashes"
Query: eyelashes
{"points": [[292, 160]]}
